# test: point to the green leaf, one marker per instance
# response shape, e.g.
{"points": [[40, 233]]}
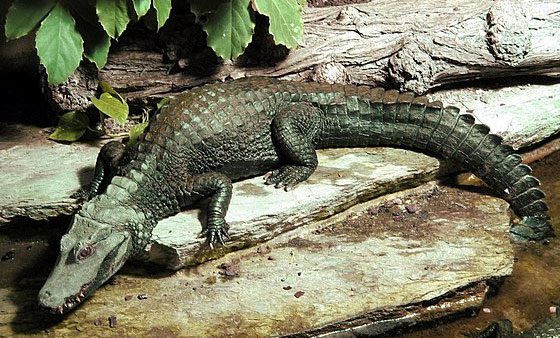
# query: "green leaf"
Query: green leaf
{"points": [[135, 132], [286, 23], [96, 41], [230, 28], [71, 126], [163, 9], [141, 7], [113, 15], [106, 87], [163, 102], [24, 15], [112, 107], [59, 45], [97, 47]]}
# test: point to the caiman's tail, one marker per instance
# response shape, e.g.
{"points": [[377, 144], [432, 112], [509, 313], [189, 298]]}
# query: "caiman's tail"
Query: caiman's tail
{"points": [[402, 119]]}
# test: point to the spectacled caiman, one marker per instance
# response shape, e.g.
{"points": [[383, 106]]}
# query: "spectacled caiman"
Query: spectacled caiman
{"points": [[205, 138]]}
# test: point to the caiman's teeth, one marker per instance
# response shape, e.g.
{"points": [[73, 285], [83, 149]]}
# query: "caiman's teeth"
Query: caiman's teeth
{"points": [[81, 294]]}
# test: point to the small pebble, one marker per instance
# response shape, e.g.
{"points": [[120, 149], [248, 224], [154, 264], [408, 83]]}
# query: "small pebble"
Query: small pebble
{"points": [[553, 309], [299, 273], [270, 258], [486, 310], [127, 297], [287, 287], [299, 294], [142, 296], [411, 208], [112, 321]]}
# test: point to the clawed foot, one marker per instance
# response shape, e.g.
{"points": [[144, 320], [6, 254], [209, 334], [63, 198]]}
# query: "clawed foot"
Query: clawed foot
{"points": [[216, 232], [287, 176]]}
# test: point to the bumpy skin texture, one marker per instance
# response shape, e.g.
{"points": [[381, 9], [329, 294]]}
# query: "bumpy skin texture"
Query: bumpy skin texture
{"points": [[207, 137], [550, 328]]}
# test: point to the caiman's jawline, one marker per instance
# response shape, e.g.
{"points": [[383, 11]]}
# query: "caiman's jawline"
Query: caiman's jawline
{"points": [[69, 302]]}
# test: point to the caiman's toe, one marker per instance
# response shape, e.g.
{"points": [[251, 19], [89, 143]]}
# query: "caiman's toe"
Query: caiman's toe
{"points": [[287, 177], [215, 235]]}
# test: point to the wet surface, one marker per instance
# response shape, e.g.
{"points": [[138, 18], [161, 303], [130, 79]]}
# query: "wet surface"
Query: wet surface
{"points": [[532, 292]]}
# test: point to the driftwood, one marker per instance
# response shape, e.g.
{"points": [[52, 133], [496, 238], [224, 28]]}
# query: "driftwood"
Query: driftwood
{"points": [[412, 45]]}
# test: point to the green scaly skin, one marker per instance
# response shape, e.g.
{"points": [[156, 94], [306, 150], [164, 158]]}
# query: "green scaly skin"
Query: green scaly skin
{"points": [[207, 137]]}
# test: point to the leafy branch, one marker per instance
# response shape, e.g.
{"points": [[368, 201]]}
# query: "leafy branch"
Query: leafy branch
{"points": [[67, 31], [73, 125]]}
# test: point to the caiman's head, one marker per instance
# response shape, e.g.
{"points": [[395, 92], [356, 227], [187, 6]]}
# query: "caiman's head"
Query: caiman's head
{"points": [[90, 253]]}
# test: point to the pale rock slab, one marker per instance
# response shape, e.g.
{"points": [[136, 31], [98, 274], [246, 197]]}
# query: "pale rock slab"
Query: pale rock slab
{"points": [[348, 275]]}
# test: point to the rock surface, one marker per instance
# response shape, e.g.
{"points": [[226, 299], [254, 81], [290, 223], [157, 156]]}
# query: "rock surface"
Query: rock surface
{"points": [[258, 212], [395, 261]]}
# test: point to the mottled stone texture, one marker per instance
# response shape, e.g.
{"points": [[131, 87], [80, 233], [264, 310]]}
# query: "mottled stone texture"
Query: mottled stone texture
{"points": [[361, 271], [38, 178]]}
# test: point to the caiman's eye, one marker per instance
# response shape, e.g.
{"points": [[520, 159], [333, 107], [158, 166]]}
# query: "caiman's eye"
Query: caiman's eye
{"points": [[85, 252]]}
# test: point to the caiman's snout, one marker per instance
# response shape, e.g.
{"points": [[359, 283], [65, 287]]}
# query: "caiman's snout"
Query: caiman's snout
{"points": [[49, 302], [55, 301], [90, 253]]}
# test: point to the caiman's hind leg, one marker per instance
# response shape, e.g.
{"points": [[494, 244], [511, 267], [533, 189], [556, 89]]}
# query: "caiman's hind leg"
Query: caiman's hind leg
{"points": [[109, 160], [218, 187], [294, 130]]}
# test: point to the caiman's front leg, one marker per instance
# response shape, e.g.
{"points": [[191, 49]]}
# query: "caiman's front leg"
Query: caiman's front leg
{"points": [[218, 187], [294, 130], [109, 160]]}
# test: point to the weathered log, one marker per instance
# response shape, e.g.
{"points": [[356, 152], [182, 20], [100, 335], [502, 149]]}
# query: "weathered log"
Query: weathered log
{"points": [[412, 45]]}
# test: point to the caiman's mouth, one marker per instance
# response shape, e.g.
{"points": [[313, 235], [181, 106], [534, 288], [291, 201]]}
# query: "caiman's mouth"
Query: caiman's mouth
{"points": [[70, 302]]}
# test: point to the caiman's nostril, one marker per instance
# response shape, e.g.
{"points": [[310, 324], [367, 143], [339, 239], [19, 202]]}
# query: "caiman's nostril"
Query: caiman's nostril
{"points": [[47, 293]]}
